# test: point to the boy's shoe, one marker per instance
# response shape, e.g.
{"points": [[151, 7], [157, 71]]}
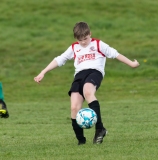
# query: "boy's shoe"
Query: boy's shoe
{"points": [[81, 142], [99, 135], [3, 109]]}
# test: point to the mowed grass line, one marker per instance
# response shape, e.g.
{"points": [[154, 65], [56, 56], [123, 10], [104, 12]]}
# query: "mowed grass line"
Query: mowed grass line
{"points": [[43, 131]]}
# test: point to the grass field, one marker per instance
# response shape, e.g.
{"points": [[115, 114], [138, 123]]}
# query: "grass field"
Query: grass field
{"points": [[42, 131], [32, 33]]}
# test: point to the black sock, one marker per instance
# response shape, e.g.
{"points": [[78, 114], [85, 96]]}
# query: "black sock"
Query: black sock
{"points": [[78, 130], [96, 107]]}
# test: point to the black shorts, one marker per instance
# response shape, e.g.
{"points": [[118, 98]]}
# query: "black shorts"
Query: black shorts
{"points": [[90, 75]]}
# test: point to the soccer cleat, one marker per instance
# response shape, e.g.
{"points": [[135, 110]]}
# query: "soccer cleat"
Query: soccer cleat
{"points": [[3, 109], [99, 135], [81, 142]]}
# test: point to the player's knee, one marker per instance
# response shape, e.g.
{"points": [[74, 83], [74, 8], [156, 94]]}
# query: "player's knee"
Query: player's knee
{"points": [[88, 94], [74, 110], [88, 90]]}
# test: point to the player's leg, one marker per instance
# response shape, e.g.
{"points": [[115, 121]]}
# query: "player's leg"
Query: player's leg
{"points": [[89, 93], [3, 108], [1, 92], [76, 105], [92, 83]]}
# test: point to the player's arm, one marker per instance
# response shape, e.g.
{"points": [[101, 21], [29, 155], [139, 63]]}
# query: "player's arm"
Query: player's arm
{"points": [[127, 61], [52, 65], [112, 53], [56, 62]]}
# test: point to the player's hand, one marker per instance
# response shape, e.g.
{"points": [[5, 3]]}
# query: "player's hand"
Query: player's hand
{"points": [[135, 63], [39, 78]]}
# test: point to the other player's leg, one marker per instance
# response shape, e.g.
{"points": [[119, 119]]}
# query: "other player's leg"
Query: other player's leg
{"points": [[3, 108]]}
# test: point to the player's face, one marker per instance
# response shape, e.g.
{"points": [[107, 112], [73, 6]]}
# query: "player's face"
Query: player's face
{"points": [[84, 42]]}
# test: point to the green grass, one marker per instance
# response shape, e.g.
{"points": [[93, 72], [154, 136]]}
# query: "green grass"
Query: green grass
{"points": [[32, 33], [41, 130]]}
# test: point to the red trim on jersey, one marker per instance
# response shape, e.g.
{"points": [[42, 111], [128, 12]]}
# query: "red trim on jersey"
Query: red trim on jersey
{"points": [[98, 47], [73, 48]]}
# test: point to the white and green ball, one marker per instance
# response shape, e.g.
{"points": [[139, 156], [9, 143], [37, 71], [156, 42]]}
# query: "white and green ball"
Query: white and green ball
{"points": [[86, 118]]}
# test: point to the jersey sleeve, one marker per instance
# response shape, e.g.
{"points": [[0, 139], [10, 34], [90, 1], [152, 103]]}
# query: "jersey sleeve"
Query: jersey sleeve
{"points": [[108, 51], [67, 55]]}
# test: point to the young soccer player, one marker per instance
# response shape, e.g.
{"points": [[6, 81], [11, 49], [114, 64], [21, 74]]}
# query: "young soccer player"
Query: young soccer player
{"points": [[3, 108], [89, 56]]}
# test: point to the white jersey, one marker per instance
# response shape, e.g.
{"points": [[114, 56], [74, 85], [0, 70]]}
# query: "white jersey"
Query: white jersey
{"points": [[91, 57]]}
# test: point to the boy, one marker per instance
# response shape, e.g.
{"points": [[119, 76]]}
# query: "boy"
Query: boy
{"points": [[3, 108], [89, 56]]}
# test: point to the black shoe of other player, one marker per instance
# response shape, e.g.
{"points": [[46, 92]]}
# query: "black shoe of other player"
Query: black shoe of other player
{"points": [[3, 109], [99, 135]]}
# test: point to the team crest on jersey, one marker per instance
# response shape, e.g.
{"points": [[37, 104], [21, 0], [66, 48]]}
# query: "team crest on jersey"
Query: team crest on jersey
{"points": [[92, 49]]}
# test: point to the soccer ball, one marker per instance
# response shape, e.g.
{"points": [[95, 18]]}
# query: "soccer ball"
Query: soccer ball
{"points": [[86, 118]]}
